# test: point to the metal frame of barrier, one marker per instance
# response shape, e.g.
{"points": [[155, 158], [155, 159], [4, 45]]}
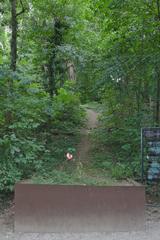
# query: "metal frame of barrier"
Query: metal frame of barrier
{"points": [[63, 208]]}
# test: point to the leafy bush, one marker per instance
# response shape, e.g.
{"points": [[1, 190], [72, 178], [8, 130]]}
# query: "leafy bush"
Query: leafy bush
{"points": [[34, 133], [20, 157], [68, 115], [118, 136]]}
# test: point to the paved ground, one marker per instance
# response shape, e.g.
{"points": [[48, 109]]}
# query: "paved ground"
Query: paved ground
{"points": [[152, 231]]}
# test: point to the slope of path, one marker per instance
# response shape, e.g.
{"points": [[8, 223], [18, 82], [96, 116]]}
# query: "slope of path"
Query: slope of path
{"points": [[85, 145]]}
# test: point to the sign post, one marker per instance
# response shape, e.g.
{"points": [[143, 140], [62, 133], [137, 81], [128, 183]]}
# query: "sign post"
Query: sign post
{"points": [[142, 157], [150, 154]]}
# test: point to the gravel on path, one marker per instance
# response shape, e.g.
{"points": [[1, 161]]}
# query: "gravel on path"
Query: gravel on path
{"points": [[152, 231]]}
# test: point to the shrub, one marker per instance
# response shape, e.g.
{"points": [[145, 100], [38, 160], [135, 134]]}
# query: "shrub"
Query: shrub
{"points": [[68, 115], [35, 130], [118, 136]]}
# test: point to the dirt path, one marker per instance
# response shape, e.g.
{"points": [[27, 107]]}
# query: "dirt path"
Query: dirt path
{"points": [[92, 118], [85, 145]]}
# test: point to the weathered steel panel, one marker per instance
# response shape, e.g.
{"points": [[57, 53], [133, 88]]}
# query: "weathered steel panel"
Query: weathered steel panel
{"points": [[54, 208]]}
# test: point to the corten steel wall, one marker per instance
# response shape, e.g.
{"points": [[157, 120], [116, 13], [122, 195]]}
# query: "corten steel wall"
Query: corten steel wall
{"points": [[60, 208]]}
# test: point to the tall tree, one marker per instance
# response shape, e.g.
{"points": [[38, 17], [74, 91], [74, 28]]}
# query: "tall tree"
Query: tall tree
{"points": [[14, 27]]}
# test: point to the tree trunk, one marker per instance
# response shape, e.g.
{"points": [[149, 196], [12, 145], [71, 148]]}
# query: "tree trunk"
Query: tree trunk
{"points": [[71, 71], [14, 35], [56, 40], [51, 76]]}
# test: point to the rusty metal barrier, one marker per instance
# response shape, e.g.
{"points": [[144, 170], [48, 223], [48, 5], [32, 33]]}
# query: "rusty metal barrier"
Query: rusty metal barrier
{"points": [[61, 208]]}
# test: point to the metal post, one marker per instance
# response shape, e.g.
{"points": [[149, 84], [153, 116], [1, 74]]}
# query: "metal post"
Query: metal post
{"points": [[142, 157]]}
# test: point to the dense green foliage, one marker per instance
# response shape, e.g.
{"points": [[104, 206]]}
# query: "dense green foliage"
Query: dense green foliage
{"points": [[35, 130], [64, 53]]}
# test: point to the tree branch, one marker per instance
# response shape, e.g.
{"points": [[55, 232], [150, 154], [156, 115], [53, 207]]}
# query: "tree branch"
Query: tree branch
{"points": [[158, 8], [22, 11]]}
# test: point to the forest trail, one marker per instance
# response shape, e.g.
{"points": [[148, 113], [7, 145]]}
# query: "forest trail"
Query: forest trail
{"points": [[152, 213], [85, 143], [92, 117]]}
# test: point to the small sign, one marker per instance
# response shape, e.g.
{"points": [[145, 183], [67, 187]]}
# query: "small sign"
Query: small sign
{"points": [[69, 156], [151, 133], [150, 150]]}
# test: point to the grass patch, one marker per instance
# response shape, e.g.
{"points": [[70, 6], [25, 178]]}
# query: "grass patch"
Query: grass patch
{"points": [[94, 106], [75, 173]]}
